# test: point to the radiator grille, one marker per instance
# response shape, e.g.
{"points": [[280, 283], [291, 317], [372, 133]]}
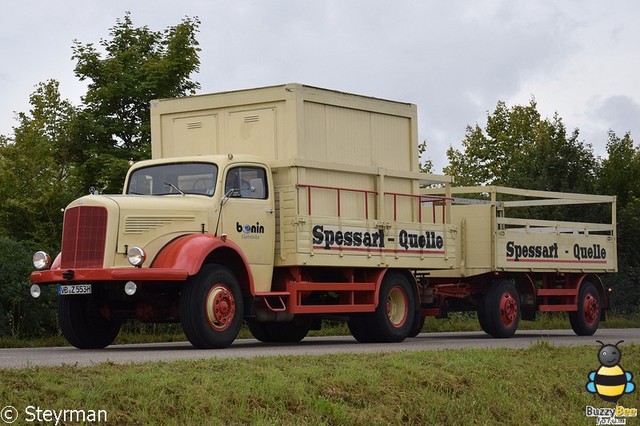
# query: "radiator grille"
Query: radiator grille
{"points": [[83, 237]]}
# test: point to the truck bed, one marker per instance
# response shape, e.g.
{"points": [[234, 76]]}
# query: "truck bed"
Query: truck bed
{"points": [[515, 230]]}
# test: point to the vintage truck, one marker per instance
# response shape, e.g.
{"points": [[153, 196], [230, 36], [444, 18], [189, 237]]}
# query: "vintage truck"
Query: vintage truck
{"points": [[282, 206]]}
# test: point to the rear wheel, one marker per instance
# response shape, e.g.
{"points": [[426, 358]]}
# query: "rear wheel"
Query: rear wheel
{"points": [[418, 325], [280, 332], [392, 320], [499, 313], [586, 319], [82, 325], [211, 308], [359, 326]]}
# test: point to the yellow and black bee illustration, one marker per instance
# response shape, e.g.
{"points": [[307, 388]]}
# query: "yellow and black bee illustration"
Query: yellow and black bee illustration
{"points": [[610, 381]]}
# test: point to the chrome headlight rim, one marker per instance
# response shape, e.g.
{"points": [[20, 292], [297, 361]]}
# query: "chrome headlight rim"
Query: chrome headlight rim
{"points": [[41, 260], [136, 256]]}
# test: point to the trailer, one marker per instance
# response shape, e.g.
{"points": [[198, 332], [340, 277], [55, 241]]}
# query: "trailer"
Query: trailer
{"points": [[282, 206]]}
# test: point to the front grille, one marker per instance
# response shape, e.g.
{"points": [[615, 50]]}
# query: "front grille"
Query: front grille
{"points": [[83, 237]]}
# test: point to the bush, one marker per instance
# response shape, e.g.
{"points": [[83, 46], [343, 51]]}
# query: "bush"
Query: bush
{"points": [[20, 315]]}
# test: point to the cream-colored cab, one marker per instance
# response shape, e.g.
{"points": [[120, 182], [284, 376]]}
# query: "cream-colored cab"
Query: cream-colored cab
{"points": [[248, 217]]}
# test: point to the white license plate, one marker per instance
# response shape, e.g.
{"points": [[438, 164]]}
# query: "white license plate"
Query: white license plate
{"points": [[73, 289]]}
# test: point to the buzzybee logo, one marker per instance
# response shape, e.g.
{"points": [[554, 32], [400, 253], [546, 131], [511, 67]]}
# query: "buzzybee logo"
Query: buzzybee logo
{"points": [[610, 382]]}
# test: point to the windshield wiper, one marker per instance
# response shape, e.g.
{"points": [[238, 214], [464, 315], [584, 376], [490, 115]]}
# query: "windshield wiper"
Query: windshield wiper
{"points": [[174, 187]]}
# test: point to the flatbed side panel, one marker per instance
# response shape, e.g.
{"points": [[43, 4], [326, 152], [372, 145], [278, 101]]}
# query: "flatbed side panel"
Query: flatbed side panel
{"points": [[526, 250]]}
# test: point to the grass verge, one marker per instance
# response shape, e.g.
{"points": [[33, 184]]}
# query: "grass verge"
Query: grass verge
{"points": [[543, 384]]}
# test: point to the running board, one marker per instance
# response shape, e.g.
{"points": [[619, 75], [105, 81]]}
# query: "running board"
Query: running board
{"points": [[298, 298]]}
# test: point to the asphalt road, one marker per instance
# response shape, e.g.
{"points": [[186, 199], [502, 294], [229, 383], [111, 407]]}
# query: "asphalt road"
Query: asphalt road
{"points": [[165, 352]]}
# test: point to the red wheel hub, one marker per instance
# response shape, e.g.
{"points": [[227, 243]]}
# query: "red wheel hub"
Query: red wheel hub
{"points": [[508, 309], [590, 309], [220, 307]]}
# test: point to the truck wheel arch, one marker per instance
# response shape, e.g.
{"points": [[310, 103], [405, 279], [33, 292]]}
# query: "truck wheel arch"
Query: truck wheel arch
{"points": [[191, 252]]}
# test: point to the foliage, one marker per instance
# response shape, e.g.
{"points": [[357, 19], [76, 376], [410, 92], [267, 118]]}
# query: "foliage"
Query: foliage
{"points": [[138, 65], [21, 315], [518, 148], [620, 172], [426, 166], [57, 151], [37, 174]]}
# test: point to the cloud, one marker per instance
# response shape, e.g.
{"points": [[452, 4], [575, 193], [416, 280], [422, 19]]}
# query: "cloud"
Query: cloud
{"points": [[619, 113], [453, 59]]}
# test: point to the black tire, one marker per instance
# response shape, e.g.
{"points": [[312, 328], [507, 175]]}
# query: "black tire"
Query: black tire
{"points": [[393, 319], [279, 332], [483, 317], [82, 325], [418, 324], [359, 326], [288, 332], [500, 312], [259, 330], [586, 319], [211, 308]]}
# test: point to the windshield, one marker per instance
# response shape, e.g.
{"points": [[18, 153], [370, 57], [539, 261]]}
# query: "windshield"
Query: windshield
{"points": [[174, 178]]}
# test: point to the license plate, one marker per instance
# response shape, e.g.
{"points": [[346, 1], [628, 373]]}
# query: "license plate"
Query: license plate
{"points": [[73, 289]]}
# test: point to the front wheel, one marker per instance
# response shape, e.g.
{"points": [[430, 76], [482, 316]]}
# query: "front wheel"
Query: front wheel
{"points": [[211, 308], [82, 325], [586, 319]]}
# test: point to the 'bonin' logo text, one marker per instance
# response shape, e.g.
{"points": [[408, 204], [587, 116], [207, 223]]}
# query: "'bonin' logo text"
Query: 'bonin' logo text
{"points": [[250, 231]]}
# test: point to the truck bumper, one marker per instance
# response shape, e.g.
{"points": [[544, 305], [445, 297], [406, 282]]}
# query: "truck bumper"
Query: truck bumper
{"points": [[57, 276]]}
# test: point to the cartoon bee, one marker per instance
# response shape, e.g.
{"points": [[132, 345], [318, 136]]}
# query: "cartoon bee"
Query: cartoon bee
{"points": [[610, 381]]}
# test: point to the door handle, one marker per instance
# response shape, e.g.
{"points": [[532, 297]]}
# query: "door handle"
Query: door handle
{"points": [[269, 211]]}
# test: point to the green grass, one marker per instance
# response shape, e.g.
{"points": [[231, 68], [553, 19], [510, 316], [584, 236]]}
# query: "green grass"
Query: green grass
{"points": [[543, 384]]}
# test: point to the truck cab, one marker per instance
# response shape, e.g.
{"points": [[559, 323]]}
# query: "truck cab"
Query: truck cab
{"points": [[127, 255]]}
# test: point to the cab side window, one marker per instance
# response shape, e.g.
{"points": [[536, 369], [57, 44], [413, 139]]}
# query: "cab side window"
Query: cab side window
{"points": [[246, 182]]}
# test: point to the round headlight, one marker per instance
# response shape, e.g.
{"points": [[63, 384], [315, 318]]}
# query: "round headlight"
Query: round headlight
{"points": [[136, 256], [41, 260], [130, 288], [35, 291]]}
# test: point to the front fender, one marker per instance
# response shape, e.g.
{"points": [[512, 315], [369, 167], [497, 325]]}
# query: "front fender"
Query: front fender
{"points": [[190, 252]]}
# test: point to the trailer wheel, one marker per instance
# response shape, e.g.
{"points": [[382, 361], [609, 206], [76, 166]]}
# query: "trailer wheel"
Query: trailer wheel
{"points": [[211, 308], [500, 310], [392, 320], [82, 325], [586, 319], [483, 317]]}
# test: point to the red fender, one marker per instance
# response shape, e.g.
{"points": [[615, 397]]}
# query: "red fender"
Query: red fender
{"points": [[189, 252]]}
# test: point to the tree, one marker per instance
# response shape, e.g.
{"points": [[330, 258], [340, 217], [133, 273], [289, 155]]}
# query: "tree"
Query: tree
{"points": [[518, 148], [37, 173], [620, 173], [426, 166], [138, 65], [620, 176]]}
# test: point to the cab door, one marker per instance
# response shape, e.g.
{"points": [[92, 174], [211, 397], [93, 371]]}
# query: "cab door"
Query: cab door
{"points": [[248, 218]]}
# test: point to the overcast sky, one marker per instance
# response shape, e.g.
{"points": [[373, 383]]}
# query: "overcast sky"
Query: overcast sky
{"points": [[454, 59]]}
